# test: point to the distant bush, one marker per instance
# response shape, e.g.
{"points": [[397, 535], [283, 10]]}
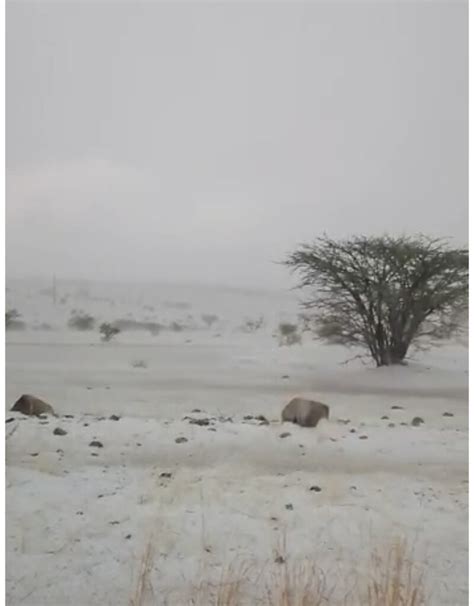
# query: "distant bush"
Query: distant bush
{"points": [[253, 325], [177, 304], [176, 327], [108, 331], [81, 321], [139, 364], [288, 334], [125, 324], [11, 316], [209, 319]]}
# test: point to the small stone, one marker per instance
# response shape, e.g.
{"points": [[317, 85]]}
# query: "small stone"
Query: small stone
{"points": [[88, 387], [279, 560], [94, 454], [68, 416], [128, 536], [10, 420], [285, 434], [344, 421], [448, 414], [86, 424], [417, 421], [196, 410], [42, 417], [59, 432], [44, 422], [384, 418], [285, 376], [364, 437], [34, 454], [114, 523], [211, 429], [333, 439], [166, 474], [100, 419], [79, 513], [404, 424], [114, 418], [138, 444], [353, 487], [248, 417], [60, 451], [289, 506], [353, 430], [315, 489], [201, 422], [181, 440], [96, 444], [396, 407], [391, 425]]}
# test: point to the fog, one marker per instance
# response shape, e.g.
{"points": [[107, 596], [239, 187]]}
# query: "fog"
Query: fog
{"points": [[156, 141]]}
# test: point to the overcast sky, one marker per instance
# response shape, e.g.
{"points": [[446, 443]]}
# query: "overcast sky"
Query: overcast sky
{"points": [[154, 141]]}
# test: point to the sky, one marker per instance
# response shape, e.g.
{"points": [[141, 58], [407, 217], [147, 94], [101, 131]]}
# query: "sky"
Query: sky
{"points": [[153, 141]]}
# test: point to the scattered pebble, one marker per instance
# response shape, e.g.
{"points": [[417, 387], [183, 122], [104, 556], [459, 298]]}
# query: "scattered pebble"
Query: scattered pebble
{"points": [[199, 421], [181, 440], [417, 421], [59, 432], [289, 506], [114, 523], [364, 437], [353, 430], [285, 376], [344, 421], [448, 414], [279, 560], [315, 489], [68, 416], [94, 454], [96, 444], [196, 410], [391, 425], [10, 420], [34, 454], [211, 429], [403, 423], [285, 434], [128, 536], [166, 474], [396, 407], [385, 418], [114, 418]]}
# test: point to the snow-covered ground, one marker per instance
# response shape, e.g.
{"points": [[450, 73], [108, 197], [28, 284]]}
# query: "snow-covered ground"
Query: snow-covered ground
{"points": [[80, 517]]}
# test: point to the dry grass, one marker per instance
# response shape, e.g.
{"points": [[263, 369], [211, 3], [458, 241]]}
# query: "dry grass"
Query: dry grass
{"points": [[392, 580], [143, 581]]}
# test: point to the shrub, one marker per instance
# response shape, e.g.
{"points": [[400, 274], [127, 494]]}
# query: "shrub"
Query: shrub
{"points": [[11, 316], [81, 321], [108, 331], [209, 319], [288, 334]]}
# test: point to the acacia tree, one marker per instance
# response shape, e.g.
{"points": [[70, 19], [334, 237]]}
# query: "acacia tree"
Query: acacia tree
{"points": [[383, 293]]}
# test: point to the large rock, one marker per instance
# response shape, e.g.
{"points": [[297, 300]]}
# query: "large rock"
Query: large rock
{"points": [[306, 413], [32, 406]]}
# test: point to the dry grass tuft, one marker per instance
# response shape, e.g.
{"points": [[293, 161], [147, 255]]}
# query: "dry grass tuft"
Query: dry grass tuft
{"points": [[394, 579], [298, 584], [228, 591], [143, 581]]}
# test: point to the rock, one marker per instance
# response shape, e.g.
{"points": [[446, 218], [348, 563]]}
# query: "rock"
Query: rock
{"points": [[279, 560], [248, 418], [34, 454], [344, 421], [353, 430], [306, 413], [223, 419], [315, 489], [391, 425], [128, 536], [289, 506], [364, 437], [114, 418], [417, 421], [196, 410], [285, 376], [445, 414], [396, 407], [44, 422], [59, 432], [403, 423], [166, 474], [86, 424], [201, 422], [68, 416], [211, 429], [10, 420], [263, 420], [285, 434], [96, 444], [385, 418], [32, 406], [181, 440]]}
